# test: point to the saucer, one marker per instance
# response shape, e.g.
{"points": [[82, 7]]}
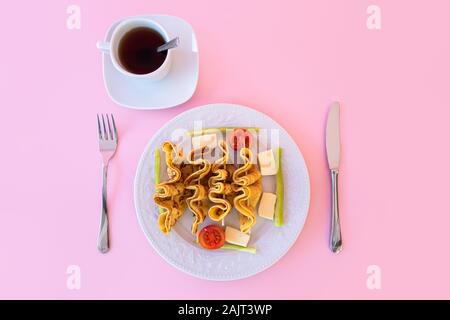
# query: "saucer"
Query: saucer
{"points": [[174, 89]]}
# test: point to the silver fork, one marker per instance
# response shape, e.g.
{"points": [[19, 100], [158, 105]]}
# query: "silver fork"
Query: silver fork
{"points": [[107, 142]]}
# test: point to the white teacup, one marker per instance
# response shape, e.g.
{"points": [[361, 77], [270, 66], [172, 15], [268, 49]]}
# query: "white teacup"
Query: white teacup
{"points": [[123, 28]]}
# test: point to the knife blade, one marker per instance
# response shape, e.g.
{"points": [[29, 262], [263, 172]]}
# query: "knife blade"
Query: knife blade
{"points": [[333, 146], [333, 137]]}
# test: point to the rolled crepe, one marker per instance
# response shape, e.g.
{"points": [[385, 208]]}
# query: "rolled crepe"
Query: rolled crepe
{"points": [[247, 184], [219, 189], [169, 195], [197, 202]]}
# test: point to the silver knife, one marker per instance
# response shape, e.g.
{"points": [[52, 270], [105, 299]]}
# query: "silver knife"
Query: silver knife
{"points": [[333, 144]]}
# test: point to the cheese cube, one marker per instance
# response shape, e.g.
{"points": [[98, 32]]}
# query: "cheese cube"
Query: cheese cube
{"points": [[267, 205], [207, 140], [267, 163], [237, 237]]}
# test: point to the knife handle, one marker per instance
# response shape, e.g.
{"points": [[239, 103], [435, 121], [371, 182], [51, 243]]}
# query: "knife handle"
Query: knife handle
{"points": [[335, 236]]}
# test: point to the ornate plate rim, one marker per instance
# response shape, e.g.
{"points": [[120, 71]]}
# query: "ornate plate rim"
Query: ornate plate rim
{"points": [[176, 264]]}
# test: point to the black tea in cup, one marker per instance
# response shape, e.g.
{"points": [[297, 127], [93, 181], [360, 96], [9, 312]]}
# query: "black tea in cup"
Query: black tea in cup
{"points": [[137, 50]]}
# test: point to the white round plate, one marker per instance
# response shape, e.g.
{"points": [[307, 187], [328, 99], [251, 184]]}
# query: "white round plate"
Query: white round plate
{"points": [[176, 88], [179, 247]]}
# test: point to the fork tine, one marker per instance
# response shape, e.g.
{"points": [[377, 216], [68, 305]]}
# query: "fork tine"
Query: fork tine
{"points": [[99, 128], [109, 128], [114, 127], [105, 133]]}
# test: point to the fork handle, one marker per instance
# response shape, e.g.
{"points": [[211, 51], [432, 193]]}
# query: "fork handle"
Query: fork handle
{"points": [[103, 236], [335, 237]]}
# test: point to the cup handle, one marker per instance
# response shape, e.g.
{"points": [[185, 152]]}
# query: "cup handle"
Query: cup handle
{"points": [[104, 46]]}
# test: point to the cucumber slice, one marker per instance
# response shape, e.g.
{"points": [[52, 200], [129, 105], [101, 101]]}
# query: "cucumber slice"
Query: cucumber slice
{"points": [[158, 170], [228, 246], [157, 166], [279, 191]]}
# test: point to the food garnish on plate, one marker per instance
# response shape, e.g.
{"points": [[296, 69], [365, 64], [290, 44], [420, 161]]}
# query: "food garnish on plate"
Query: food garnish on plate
{"points": [[267, 205]]}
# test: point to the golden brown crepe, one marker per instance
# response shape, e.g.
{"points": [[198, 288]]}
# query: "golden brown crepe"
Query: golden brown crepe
{"points": [[248, 173], [197, 201], [206, 188], [247, 184], [197, 204], [170, 194], [202, 167], [219, 188]]}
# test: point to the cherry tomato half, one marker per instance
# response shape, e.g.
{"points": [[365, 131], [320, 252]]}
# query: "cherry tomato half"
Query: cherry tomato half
{"points": [[240, 138], [211, 237]]}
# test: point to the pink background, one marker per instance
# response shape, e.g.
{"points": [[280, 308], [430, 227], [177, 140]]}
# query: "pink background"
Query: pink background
{"points": [[393, 85]]}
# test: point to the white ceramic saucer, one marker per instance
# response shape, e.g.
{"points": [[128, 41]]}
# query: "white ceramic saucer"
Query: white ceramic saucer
{"points": [[176, 88]]}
